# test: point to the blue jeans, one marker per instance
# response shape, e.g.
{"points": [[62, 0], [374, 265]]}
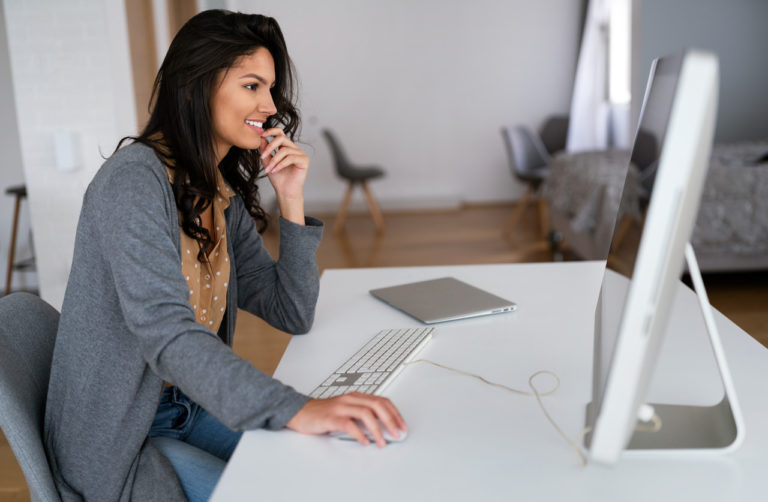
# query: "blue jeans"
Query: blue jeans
{"points": [[197, 445]]}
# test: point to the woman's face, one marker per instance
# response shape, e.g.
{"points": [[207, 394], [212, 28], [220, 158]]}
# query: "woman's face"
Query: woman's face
{"points": [[242, 103]]}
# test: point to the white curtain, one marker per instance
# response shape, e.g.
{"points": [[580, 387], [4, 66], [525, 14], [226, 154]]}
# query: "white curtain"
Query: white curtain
{"points": [[590, 108]]}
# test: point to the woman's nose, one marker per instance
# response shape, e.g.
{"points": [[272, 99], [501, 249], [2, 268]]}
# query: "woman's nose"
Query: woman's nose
{"points": [[267, 105]]}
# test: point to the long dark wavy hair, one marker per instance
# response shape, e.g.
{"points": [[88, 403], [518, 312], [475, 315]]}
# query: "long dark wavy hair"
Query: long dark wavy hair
{"points": [[179, 127]]}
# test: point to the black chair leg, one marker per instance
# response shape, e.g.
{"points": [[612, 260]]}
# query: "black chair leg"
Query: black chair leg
{"points": [[12, 250]]}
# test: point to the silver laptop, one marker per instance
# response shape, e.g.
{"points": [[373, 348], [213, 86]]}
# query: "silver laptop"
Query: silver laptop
{"points": [[444, 299]]}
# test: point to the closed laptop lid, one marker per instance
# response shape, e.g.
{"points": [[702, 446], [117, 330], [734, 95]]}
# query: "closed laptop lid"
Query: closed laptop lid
{"points": [[443, 299]]}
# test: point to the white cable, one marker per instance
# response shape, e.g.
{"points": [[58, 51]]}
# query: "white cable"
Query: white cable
{"points": [[494, 384], [649, 414], [538, 395]]}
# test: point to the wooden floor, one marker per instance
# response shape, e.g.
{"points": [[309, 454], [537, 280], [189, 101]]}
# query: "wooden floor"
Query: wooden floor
{"points": [[466, 236]]}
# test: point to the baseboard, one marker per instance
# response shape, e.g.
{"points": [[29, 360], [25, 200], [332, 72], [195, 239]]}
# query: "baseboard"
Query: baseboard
{"points": [[318, 206]]}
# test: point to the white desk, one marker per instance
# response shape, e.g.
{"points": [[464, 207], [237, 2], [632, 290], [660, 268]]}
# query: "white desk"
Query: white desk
{"points": [[469, 441]]}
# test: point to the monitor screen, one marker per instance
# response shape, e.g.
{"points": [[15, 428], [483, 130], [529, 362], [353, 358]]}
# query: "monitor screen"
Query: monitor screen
{"points": [[670, 155], [646, 151], [628, 228]]}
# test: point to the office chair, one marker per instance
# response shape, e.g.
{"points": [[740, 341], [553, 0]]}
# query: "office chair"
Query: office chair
{"points": [[529, 162], [354, 175], [27, 334]]}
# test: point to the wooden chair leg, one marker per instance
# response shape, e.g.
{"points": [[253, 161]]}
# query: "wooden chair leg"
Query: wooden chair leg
{"points": [[338, 226], [378, 219], [543, 209], [623, 229], [621, 232], [12, 250], [619, 264], [518, 214]]}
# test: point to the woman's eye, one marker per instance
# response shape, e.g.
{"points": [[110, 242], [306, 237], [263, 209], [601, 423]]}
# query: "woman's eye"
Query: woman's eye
{"points": [[251, 87]]}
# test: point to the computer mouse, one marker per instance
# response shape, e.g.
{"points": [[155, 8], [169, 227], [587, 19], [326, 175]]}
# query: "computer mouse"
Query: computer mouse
{"points": [[387, 436]]}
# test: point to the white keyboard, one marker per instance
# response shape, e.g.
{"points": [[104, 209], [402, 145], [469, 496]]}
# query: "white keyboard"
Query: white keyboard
{"points": [[375, 365]]}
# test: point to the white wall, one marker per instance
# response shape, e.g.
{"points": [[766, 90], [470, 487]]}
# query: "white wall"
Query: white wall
{"points": [[423, 87], [420, 88], [11, 173], [736, 31], [71, 73]]}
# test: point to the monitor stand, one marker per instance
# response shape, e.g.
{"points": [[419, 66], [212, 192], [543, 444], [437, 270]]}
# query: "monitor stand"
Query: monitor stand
{"points": [[684, 427]]}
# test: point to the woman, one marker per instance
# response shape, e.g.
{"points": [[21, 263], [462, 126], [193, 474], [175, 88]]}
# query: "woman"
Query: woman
{"points": [[146, 398]]}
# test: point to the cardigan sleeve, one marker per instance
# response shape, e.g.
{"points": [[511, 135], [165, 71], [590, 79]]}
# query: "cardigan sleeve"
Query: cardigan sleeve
{"points": [[283, 292], [138, 230]]}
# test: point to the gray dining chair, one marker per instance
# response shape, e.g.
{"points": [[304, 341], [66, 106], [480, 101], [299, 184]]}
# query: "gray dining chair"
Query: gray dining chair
{"points": [[27, 333], [529, 163], [354, 175]]}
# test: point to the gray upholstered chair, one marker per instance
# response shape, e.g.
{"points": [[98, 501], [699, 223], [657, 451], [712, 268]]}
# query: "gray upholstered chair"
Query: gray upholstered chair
{"points": [[27, 334], [354, 175], [529, 163]]}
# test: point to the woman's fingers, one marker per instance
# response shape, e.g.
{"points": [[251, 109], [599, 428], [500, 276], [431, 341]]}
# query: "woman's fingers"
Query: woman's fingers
{"points": [[384, 411], [284, 159], [278, 139], [283, 152], [368, 419], [353, 430]]}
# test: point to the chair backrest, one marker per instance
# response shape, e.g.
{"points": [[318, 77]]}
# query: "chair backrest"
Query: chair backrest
{"points": [[526, 153], [342, 164], [27, 333], [554, 133]]}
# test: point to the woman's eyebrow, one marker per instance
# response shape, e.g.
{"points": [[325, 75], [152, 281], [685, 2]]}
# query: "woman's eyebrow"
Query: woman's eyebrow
{"points": [[257, 77]]}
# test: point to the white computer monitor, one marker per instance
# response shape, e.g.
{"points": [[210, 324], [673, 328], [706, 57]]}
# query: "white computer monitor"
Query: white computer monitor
{"points": [[671, 151]]}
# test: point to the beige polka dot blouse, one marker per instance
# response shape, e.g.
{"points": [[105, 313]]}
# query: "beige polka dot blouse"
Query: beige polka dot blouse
{"points": [[208, 282]]}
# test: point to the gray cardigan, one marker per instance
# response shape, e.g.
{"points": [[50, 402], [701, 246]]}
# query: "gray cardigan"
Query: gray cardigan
{"points": [[126, 326]]}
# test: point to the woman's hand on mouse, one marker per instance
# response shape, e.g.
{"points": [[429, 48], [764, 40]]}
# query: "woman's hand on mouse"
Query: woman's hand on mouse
{"points": [[321, 416]]}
